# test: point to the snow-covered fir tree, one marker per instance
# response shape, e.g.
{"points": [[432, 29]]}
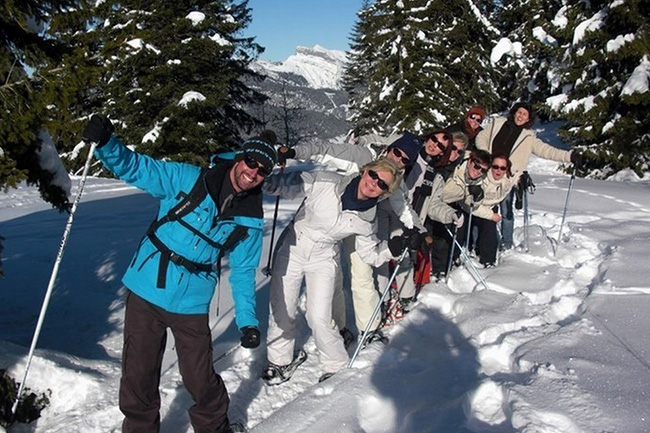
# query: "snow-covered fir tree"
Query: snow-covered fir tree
{"points": [[423, 63], [526, 49], [174, 74], [27, 58], [603, 85]]}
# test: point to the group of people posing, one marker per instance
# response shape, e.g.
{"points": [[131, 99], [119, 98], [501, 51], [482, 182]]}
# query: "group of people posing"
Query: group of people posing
{"points": [[397, 193]]}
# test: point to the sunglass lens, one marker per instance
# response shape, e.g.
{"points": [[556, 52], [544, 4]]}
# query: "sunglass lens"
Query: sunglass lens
{"points": [[380, 182], [253, 164]]}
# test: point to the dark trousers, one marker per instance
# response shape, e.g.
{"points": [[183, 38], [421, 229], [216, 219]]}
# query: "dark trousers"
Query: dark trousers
{"points": [[440, 247], [487, 240], [145, 336]]}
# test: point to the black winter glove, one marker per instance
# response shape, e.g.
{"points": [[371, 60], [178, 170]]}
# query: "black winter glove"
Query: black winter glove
{"points": [[396, 245], [476, 191], [525, 181], [251, 337], [98, 130], [577, 159], [284, 153], [411, 239]]}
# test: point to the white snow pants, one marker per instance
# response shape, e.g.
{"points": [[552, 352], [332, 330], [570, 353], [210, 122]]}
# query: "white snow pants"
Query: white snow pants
{"points": [[318, 265]]}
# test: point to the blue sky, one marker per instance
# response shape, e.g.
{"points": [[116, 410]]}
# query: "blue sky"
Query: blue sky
{"points": [[281, 25]]}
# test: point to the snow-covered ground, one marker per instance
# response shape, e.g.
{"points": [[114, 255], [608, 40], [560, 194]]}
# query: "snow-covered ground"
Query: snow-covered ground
{"points": [[557, 344]]}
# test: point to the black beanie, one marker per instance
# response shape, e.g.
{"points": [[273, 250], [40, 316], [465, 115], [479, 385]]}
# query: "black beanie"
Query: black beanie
{"points": [[408, 143], [261, 148]]}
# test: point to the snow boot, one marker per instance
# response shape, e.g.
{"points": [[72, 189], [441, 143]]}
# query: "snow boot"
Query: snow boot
{"points": [[277, 374]]}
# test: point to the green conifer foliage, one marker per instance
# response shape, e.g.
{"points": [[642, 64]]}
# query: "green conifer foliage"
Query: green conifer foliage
{"points": [[604, 94], [417, 65], [174, 74], [25, 59], [535, 30]]}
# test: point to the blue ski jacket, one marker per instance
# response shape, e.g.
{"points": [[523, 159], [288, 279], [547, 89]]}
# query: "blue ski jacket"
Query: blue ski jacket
{"points": [[187, 292]]}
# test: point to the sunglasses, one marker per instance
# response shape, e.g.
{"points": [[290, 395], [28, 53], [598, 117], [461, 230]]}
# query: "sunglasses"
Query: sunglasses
{"points": [[400, 155], [454, 148], [478, 166], [441, 146], [380, 182], [253, 164], [499, 167], [476, 117]]}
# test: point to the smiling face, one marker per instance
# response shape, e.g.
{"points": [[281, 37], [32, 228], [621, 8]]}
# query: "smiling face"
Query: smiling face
{"points": [[369, 187], [521, 117], [476, 169], [436, 145], [457, 151], [499, 168], [244, 178], [399, 156], [474, 121]]}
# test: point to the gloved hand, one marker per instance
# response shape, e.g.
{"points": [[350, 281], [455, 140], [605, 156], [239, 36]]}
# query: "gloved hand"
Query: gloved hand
{"points": [[284, 153], [98, 130], [251, 337], [411, 239], [577, 159], [458, 219], [476, 191], [525, 181]]}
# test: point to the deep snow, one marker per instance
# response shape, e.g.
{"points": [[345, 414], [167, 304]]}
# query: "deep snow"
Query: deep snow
{"points": [[557, 344]]}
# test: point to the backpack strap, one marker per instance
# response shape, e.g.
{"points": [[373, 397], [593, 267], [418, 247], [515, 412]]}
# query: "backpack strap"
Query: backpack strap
{"points": [[185, 206]]}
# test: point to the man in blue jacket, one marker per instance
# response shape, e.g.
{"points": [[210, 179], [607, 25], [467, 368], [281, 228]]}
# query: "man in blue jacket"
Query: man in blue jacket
{"points": [[203, 214]]}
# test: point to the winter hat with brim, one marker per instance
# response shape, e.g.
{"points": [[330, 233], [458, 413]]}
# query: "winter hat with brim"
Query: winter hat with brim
{"points": [[260, 148], [408, 143]]}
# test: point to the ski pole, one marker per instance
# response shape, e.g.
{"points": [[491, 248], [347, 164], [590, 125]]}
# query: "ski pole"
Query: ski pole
{"points": [[225, 354], [525, 219], [469, 227], [475, 273], [566, 203], [377, 308], [451, 253], [55, 271], [275, 219]]}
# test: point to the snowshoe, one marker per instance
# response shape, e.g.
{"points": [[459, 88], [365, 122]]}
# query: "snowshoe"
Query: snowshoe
{"points": [[277, 374], [237, 427], [407, 304], [373, 337], [324, 377], [394, 312]]}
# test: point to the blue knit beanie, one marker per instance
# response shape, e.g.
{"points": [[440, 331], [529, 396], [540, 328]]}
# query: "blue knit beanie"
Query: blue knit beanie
{"points": [[408, 143]]}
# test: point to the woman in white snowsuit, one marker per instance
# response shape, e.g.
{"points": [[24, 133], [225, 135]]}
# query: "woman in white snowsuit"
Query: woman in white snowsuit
{"points": [[403, 150], [334, 208]]}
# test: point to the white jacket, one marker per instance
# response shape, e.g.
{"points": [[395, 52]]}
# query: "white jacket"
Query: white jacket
{"points": [[320, 223], [349, 159]]}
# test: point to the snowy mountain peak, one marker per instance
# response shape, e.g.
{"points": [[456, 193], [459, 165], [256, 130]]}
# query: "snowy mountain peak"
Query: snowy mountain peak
{"points": [[320, 67]]}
